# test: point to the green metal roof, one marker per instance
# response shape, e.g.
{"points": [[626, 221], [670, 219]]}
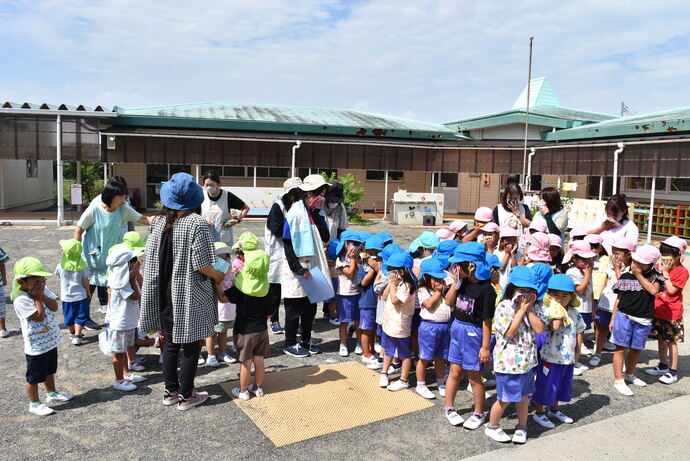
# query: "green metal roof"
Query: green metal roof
{"points": [[274, 118], [668, 121]]}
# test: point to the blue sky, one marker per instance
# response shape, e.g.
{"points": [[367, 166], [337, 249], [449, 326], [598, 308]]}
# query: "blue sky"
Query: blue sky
{"points": [[430, 60]]}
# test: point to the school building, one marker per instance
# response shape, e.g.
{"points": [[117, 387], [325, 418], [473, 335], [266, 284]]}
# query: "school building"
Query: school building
{"points": [[467, 160]]}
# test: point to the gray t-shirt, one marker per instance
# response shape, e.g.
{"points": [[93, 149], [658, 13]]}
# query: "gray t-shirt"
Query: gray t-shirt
{"points": [[71, 284]]}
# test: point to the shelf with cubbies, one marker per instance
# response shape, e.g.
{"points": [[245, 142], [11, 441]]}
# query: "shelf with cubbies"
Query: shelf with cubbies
{"points": [[667, 220]]}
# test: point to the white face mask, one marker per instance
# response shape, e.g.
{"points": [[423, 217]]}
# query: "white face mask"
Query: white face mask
{"points": [[211, 189]]}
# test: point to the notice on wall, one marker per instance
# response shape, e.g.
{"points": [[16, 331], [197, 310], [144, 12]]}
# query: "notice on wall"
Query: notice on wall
{"points": [[75, 194]]}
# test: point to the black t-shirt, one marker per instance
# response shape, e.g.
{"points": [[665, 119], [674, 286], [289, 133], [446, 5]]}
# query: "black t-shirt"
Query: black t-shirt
{"points": [[165, 268], [252, 312], [234, 202], [635, 300], [475, 302]]}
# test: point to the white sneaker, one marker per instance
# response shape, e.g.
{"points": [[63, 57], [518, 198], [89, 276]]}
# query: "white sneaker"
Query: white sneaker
{"points": [[226, 358], [76, 340], [132, 378], [454, 418], [669, 378], [201, 361], [579, 369], [442, 390], [424, 392], [241, 394], [4, 333], [543, 420], [41, 410], [59, 397], [609, 346], [124, 385], [497, 434], [257, 391], [368, 360], [377, 348], [562, 417], [398, 385], [634, 380], [623, 389], [383, 381], [475, 422], [375, 365], [585, 350], [212, 361], [135, 366], [520, 436], [596, 360], [358, 349], [343, 352]]}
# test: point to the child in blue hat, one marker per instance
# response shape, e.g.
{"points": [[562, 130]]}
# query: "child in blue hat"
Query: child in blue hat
{"points": [[349, 291], [434, 329], [515, 353], [367, 273], [559, 353], [474, 300], [397, 319]]}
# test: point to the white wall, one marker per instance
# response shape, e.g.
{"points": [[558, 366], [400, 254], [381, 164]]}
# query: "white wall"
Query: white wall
{"points": [[19, 193], [513, 131]]}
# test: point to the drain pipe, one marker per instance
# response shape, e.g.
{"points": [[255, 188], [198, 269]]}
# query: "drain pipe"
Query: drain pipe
{"points": [[294, 153], [60, 174], [528, 178], [616, 153]]}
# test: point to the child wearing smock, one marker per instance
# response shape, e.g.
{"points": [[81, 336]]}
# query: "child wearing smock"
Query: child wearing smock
{"points": [[633, 314], [366, 276], [667, 327], [434, 329], [515, 353], [397, 319], [560, 352], [349, 290], [35, 306], [226, 309], [4, 332], [474, 300], [75, 291]]}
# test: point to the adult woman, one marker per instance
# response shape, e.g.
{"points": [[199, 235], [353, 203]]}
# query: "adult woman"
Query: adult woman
{"points": [[551, 210], [336, 214], [100, 227], [304, 235], [216, 207], [177, 296], [511, 212], [617, 222]]}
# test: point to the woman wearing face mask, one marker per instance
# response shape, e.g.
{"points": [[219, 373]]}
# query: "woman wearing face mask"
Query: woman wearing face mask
{"points": [[551, 211], [617, 222], [336, 214], [511, 212], [216, 209]]}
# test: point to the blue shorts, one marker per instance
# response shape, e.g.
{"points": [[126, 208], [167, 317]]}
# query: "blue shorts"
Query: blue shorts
{"points": [[334, 281], [554, 383], [628, 333], [465, 342], [76, 312], [367, 318], [400, 348], [512, 388], [416, 320], [379, 331], [587, 317], [38, 367], [604, 318], [434, 340], [348, 308]]}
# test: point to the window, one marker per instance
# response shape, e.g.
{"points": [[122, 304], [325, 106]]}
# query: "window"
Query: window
{"points": [[445, 180], [32, 168], [380, 175], [279, 173], [679, 184], [639, 183], [203, 169], [155, 175], [304, 172], [234, 171], [261, 172]]}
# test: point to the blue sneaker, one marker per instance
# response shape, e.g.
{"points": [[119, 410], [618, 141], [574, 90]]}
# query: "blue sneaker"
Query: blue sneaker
{"points": [[313, 350], [276, 329], [296, 351]]}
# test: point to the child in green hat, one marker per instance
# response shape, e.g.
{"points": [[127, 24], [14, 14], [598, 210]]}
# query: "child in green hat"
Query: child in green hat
{"points": [[75, 291], [35, 306]]}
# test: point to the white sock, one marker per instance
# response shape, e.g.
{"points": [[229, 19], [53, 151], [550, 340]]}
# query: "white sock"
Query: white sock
{"points": [[421, 383]]}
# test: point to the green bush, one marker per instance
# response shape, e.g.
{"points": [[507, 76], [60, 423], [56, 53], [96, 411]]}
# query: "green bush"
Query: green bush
{"points": [[352, 195]]}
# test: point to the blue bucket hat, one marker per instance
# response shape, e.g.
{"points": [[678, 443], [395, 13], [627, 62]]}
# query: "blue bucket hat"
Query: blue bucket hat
{"points": [[493, 261], [373, 243], [384, 237], [562, 282], [332, 247], [523, 277], [400, 260], [543, 273], [473, 252], [444, 251], [182, 192], [364, 236], [348, 235], [428, 240], [389, 250], [432, 267], [414, 246]]}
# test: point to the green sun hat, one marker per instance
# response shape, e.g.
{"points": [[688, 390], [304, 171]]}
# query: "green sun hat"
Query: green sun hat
{"points": [[134, 242], [71, 259], [26, 267], [222, 248], [253, 279], [248, 242]]}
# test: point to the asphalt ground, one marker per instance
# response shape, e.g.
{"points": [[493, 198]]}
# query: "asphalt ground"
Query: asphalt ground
{"points": [[101, 421]]}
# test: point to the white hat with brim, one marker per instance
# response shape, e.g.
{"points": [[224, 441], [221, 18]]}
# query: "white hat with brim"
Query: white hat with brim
{"points": [[291, 183], [313, 182]]}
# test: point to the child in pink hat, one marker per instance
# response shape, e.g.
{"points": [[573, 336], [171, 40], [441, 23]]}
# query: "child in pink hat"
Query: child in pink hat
{"points": [[537, 249], [667, 327], [580, 258], [556, 250], [482, 216], [578, 233], [633, 315], [445, 234], [508, 253], [458, 228], [537, 225], [489, 236]]}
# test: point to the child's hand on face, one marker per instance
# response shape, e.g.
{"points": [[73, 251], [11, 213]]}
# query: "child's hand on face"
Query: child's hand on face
{"points": [[636, 269], [352, 252], [374, 263], [37, 289], [666, 266], [437, 286]]}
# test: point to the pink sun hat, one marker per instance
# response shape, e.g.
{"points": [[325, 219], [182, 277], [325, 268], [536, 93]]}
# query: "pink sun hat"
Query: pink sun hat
{"points": [[624, 243], [457, 225], [484, 214], [555, 240], [508, 232], [445, 234], [646, 254], [491, 227], [538, 226], [593, 239], [578, 232], [539, 247], [579, 248], [676, 242]]}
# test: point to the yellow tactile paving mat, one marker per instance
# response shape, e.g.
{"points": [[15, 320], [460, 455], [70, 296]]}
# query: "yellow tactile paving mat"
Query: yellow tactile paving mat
{"points": [[308, 402]]}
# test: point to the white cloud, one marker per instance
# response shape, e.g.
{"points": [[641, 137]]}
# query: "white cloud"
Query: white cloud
{"points": [[435, 60]]}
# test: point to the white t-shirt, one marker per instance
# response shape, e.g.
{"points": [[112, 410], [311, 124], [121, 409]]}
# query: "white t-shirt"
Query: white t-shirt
{"points": [[586, 298], [628, 229], [505, 270], [123, 312], [439, 313], [39, 337], [71, 284], [347, 286], [397, 321]]}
